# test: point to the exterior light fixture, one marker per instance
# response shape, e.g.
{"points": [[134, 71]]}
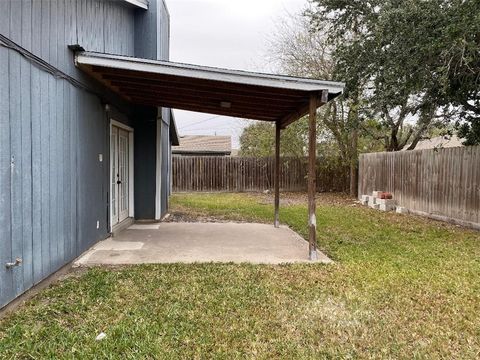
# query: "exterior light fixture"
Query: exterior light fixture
{"points": [[226, 104]]}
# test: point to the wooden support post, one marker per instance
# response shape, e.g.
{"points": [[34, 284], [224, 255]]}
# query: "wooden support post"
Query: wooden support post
{"points": [[277, 174], [312, 155]]}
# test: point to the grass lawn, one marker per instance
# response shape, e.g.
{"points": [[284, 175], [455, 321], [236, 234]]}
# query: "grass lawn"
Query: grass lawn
{"points": [[401, 287]]}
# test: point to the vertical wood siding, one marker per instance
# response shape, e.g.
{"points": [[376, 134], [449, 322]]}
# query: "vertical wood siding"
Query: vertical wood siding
{"points": [[53, 189], [164, 32], [237, 174], [6, 278], [443, 182], [97, 25]]}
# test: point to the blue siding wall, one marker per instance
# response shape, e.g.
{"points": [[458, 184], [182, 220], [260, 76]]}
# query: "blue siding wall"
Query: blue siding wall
{"points": [[163, 29], [152, 36], [152, 32], [164, 54], [144, 163], [53, 188], [6, 282]]}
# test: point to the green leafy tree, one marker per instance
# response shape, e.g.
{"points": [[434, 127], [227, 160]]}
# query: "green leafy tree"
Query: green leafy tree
{"points": [[458, 57], [421, 59], [258, 140]]}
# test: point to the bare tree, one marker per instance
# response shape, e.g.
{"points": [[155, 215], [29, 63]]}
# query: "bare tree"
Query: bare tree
{"points": [[298, 51]]}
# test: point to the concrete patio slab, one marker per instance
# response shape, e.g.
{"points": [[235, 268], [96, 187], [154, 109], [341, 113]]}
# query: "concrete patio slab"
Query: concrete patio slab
{"points": [[200, 242]]}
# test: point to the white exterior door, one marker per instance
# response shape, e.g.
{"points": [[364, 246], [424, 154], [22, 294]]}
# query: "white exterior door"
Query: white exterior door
{"points": [[120, 171]]}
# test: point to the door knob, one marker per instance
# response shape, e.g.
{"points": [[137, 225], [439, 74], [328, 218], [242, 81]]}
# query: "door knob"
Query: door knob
{"points": [[118, 182]]}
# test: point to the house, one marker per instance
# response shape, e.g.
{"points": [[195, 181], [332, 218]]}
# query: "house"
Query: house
{"points": [[203, 145], [438, 142], [86, 130], [76, 159]]}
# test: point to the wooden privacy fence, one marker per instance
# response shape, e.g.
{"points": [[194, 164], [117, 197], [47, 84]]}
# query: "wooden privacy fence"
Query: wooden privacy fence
{"points": [[239, 174], [440, 183]]}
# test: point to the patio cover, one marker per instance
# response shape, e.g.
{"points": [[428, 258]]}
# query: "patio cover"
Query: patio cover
{"points": [[249, 95], [274, 98]]}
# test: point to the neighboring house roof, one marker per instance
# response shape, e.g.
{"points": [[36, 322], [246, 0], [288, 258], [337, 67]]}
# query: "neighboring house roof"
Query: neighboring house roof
{"points": [[203, 144], [438, 142]]}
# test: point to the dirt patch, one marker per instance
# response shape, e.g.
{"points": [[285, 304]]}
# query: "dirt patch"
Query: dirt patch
{"points": [[190, 217], [292, 199], [188, 214]]}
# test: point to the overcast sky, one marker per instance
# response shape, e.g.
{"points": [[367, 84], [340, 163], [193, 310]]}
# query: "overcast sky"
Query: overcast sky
{"points": [[222, 33]]}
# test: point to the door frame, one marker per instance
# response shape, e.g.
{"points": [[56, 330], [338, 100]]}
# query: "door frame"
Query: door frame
{"points": [[131, 196]]}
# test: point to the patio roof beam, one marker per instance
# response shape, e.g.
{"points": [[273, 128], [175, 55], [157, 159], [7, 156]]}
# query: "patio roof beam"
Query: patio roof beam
{"points": [[113, 73], [264, 109], [295, 115], [199, 89], [202, 109], [187, 96], [304, 109]]}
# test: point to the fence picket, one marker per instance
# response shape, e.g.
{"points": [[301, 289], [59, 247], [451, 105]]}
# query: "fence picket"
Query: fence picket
{"points": [[441, 182], [236, 174]]}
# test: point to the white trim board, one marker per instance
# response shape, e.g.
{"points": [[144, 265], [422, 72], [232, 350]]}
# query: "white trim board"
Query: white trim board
{"points": [[121, 125], [131, 195], [158, 170], [131, 198]]}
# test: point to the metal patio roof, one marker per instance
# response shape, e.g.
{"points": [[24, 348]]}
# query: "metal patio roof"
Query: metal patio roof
{"points": [[250, 95]]}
